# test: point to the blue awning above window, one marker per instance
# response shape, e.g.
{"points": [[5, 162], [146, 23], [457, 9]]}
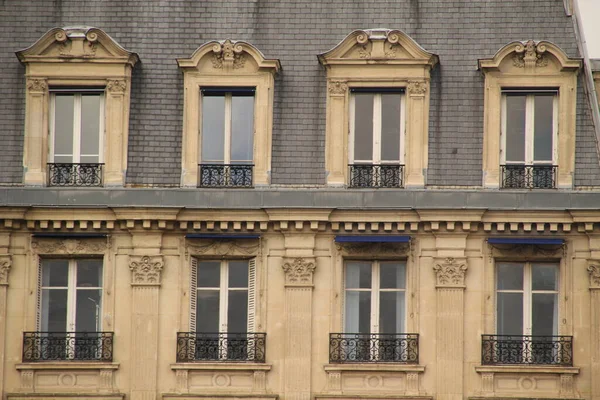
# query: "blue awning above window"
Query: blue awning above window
{"points": [[221, 236], [525, 241], [372, 239], [69, 235]]}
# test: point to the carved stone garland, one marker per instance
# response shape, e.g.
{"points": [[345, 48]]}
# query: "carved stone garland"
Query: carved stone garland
{"points": [[299, 271], [146, 270], [450, 272]]}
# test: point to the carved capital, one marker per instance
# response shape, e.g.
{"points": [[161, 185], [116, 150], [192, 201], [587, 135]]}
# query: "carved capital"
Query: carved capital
{"points": [[37, 85], [5, 264], [69, 246], [594, 273], [337, 87], [299, 271], [450, 272], [417, 88], [530, 55], [116, 86], [146, 270]]}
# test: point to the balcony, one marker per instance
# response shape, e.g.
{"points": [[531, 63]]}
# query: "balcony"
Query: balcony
{"points": [[249, 347], [67, 346], [529, 176], [225, 175], [373, 348], [88, 175], [527, 350], [376, 176]]}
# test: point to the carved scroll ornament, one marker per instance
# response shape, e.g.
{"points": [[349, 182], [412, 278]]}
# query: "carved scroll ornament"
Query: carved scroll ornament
{"points": [[299, 271], [450, 272], [530, 55], [5, 264], [228, 54], [146, 270]]}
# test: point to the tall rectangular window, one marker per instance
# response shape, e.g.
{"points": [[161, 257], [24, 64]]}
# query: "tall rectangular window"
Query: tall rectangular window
{"points": [[227, 138], [376, 142], [529, 139]]}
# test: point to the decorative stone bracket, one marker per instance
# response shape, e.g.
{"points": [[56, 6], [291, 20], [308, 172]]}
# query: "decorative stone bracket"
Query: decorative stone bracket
{"points": [[146, 270], [299, 271], [450, 272]]}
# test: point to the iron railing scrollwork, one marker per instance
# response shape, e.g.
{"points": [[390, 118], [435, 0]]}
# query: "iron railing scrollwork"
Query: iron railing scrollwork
{"points": [[529, 176], [225, 175], [527, 349], [376, 176], [67, 346], [84, 174], [192, 346], [374, 347]]}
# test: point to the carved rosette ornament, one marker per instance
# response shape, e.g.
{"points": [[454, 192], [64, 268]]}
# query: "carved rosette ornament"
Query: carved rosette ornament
{"points": [[69, 246], [338, 87], [37, 85], [450, 272], [116, 86], [229, 55], [417, 88], [299, 271], [5, 264], [530, 55], [146, 270], [594, 272]]}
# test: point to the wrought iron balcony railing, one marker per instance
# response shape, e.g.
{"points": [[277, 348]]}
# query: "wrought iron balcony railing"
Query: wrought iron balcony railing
{"points": [[61, 174], [67, 346], [529, 176], [527, 349], [376, 176], [374, 347], [192, 346], [225, 175]]}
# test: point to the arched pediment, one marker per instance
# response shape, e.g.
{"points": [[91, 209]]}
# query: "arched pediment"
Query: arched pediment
{"points": [[77, 43], [529, 56], [378, 45], [227, 56]]}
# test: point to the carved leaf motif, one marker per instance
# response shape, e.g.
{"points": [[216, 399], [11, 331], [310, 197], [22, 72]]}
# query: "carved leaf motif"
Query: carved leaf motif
{"points": [[116, 86], [337, 87], [530, 55], [594, 272], [417, 87], [299, 270], [450, 272], [228, 53], [146, 270], [36, 85]]}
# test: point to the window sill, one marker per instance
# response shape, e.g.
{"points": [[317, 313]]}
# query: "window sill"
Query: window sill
{"points": [[532, 369]]}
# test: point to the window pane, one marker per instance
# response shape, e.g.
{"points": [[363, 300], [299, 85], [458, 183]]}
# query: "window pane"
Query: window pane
{"points": [[63, 127], [544, 277], [390, 127], [242, 128], [510, 276], [89, 273], [542, 141], [363, 126], [392, 275], [55, 272], [237, 314], [238, 274], [90, 128], [213, 128], [207, 314], [509, 312], [358, 312], [544, 314], [358, 275], [391, 312], [209, 274], [515, 128], [54, 310], [88, 313]]}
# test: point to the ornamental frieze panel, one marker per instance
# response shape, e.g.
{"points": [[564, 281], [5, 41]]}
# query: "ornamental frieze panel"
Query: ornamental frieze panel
{"points": [[299, 271], [5, 264], [146, 270], [525, 251], [374, 250], [235, 247], [450, 272], [69, 246]]}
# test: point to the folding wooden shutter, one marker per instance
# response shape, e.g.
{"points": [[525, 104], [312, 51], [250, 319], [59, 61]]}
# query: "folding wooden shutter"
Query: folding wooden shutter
{"points": [[193, 293], [251, 294]]}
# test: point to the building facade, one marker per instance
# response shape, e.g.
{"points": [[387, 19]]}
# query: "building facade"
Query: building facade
{"points": [[298, 200]]}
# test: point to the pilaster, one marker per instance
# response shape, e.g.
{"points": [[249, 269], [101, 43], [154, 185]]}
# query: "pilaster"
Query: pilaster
{"points": [[594, 276], [5, 265]]}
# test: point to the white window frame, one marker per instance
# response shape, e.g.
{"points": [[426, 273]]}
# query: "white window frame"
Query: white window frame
{"points": [[76, 124], [227, 129], [376, 159], [528, 293], [375, 290], [529, 128]]}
